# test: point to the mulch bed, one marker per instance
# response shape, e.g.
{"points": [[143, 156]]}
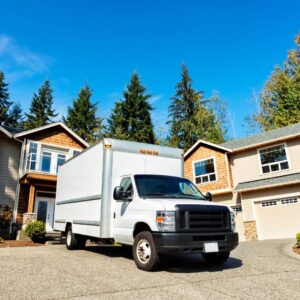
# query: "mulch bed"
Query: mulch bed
{"points": [[12, 243], [296, 249]]}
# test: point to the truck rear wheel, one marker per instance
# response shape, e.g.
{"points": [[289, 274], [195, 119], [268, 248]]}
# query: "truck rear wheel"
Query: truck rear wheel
{"points": [[144, 252], [216, 259], [71, 241]]}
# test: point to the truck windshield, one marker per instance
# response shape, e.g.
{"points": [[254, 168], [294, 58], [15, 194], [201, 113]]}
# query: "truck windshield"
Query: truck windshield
{"points": [[159, 186]]}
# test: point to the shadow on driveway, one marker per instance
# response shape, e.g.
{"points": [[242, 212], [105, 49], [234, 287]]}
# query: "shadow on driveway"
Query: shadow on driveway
{"points": [[187, 263]]}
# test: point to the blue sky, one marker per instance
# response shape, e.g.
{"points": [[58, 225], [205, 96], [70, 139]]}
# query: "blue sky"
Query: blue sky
{"points": [[229, 46]]}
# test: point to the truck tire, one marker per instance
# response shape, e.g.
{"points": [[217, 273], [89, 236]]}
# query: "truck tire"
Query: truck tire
{"points": [[216, 259], [71, 240], [144, 252]]}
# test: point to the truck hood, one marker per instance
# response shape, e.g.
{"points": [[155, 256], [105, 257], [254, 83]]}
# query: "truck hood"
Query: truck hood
{"points": [[169, 203]]}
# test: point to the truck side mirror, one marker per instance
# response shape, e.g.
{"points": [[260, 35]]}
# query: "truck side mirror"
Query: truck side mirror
{"points": [[208, 196], [119, 193]]}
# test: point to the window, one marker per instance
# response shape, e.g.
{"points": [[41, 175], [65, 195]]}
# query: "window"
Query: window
{"points": [[204, 171], [61, 158], [237, 209], [289, 201], [269, 203], [273, 159], [32, 157], [46, 161], [75, 153], [126, 183]]}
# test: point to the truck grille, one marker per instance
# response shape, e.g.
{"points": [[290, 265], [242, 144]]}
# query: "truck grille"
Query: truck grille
{"points": [[203, 218]]}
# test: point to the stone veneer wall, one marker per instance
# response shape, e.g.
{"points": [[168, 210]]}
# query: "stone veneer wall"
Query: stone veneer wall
{"points": [[250, 230]]}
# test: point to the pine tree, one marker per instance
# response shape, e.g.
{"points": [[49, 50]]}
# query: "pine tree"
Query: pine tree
{"points": [[82, 118], [41, 111], [280, 98], [4, 99], [131, 117], [15, 118], [192, 117]]}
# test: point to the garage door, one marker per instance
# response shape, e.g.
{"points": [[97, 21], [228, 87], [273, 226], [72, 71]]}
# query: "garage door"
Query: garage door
{"points": [[239, 222], [278, 219]]}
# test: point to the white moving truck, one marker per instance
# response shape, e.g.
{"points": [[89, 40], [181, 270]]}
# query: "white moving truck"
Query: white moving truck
{"points": [[135, 194]]}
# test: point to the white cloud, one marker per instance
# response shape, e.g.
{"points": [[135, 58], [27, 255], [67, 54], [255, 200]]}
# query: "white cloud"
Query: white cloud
{"points": [[18, 61], [155, 98]]}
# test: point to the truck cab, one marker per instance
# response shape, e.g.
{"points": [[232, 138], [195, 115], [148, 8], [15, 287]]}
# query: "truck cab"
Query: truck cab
{"points": [[168, 214]]}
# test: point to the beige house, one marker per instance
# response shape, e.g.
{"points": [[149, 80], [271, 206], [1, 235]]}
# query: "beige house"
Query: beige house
{"points": [[29, 163], [259, 176]]}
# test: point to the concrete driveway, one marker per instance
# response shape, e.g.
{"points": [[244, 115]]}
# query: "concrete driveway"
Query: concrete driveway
{"points": [[260, 270]]}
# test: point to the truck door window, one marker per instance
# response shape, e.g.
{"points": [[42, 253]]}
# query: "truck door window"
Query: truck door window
{"points": [[126, 183]]}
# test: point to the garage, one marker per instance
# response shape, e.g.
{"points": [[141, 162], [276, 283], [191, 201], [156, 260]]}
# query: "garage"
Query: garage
{"points": [[278, 218]]}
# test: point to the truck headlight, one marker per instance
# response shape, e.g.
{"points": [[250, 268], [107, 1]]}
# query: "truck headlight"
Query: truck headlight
{"points": [[232, 220], [165, 220]]}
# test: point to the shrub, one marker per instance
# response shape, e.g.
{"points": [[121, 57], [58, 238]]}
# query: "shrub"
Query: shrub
{"points": [[36, 230], [298, 238], [1, 240], [6, 214]]}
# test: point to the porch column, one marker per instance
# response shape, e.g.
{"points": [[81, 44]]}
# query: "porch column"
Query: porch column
{"points": [[31, 198]]}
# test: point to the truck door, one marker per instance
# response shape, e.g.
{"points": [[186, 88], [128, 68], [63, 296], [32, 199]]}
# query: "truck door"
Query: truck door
{"points": [[122, 224]]}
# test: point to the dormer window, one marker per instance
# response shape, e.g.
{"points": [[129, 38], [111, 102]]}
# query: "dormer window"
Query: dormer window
{"points": [[273, 159]]}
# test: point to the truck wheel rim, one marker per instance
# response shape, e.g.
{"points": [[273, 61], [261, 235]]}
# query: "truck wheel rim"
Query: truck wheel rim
{"points": [[143, 251], [69, 237]]}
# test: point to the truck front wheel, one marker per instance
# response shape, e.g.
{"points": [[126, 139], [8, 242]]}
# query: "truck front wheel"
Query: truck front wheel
{"points": [[216, 259], [144, 252]]}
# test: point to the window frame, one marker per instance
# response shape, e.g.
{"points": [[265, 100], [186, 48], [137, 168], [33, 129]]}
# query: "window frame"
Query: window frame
{"points": [[215, 167], [130, 198], [269, 164]]}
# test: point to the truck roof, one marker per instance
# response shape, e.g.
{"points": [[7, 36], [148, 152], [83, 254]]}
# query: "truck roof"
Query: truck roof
{"points": [[135, 147]]}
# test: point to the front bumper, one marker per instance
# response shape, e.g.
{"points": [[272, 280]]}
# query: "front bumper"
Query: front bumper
{"points": [[193, 242]]}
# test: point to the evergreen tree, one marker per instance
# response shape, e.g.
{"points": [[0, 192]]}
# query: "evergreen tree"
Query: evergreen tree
{"points": [[131, 117], [40, 111], [192, 117], [280, 98], [82, 119], [4, 99], [15, 118]]}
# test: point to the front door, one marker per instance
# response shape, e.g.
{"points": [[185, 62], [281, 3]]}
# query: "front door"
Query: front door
{"points": [[44, 209]]}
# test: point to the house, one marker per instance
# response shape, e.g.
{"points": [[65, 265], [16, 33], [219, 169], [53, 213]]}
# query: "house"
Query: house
{"points": [[258, 176], [29, 162]]}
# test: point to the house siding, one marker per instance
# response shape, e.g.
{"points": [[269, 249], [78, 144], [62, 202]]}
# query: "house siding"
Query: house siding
{"points": [[205, 152], [246, 165], [9, 164], [56, 136]]}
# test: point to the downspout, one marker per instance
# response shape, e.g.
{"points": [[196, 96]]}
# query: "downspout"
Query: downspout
{"points": [[15, 212]]}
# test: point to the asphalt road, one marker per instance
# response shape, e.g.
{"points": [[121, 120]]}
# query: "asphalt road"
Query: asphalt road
{"points": [[256, 270]]}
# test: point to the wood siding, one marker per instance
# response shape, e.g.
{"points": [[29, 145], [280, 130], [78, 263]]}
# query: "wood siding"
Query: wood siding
{"points": [[9, 166], [246, 165], [205, 152], [56, 136]]}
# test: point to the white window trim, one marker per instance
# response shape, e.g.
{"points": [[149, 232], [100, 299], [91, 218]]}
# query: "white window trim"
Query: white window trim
{"points": [[64, 150], [274, 172], [215, 167]]}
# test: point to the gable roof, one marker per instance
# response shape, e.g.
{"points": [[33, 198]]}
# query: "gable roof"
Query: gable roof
{"points": [[264, 138], [71, 132], [199, 142]]}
